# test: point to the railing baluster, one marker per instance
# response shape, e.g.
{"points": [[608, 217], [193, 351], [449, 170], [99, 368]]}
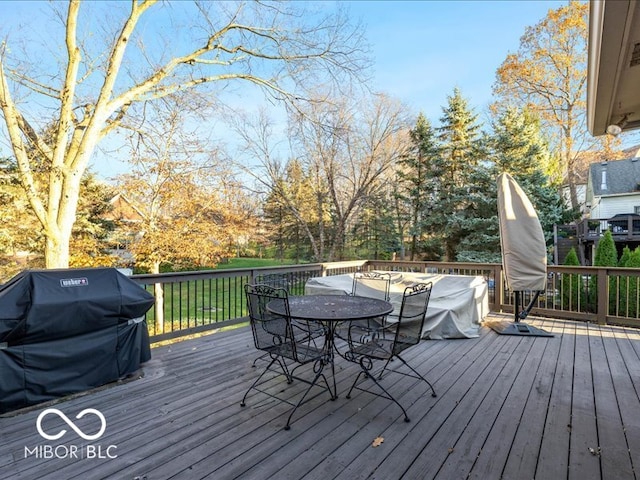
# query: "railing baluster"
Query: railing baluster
{"points": [[570, 293]]}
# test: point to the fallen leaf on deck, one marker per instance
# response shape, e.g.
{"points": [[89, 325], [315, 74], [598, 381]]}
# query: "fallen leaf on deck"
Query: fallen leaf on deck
{"points": [[377, 442]]}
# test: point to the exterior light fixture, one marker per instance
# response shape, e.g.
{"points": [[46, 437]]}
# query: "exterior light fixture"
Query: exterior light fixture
{"points": [[615, 129]]}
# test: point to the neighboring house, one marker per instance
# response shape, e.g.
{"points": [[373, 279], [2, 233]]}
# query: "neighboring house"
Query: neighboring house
{"points": [[125, 215], [122, 210], [613, 203], [613, 188]]}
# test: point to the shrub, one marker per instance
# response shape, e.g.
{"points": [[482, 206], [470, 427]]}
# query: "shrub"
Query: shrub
{"points": [[573, 295], [629, 287], [606, 256]]}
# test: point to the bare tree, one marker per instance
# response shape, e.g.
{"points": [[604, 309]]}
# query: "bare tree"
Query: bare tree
{"points": [[185, 195], [276, 46], [345, 148]]}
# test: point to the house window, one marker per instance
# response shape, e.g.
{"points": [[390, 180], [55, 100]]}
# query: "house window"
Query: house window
{"points": [[636, 209]]}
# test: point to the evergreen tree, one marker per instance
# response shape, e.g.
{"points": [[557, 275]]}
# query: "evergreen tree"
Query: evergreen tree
{"points": [[89, 242], [518, 148], [284, 229], [634, 258], [461, 150], [479, 218], [374, 236], [571, 284], [572, 258], [624, 258], [416, 177], [606, 254], [629, 286]]}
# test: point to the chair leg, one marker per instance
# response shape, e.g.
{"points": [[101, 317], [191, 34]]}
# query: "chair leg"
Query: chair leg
{"points": [[387, 395], [261, 357], [386, 364], [285, 372], [355, 382], [433, 392], [313, 383], [257, 380]]}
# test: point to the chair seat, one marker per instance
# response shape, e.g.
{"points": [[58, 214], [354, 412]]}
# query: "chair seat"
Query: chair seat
{"points": [[380, 348], [307, 353]]}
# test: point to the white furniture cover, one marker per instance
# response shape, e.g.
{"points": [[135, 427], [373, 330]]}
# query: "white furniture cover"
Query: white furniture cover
{"points": [[457, 305]]}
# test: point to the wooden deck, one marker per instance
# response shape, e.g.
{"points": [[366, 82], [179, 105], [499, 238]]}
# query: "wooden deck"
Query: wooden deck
{"points": [[507, 407]]}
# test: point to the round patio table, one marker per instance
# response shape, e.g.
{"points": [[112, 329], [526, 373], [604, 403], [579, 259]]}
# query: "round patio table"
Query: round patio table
{"points": [[331, 310]]}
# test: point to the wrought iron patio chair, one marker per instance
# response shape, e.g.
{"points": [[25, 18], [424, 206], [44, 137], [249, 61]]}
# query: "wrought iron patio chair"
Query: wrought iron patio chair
{"points": [[284, 340], [280, 281], [368, 284], [276, 281], [399, 336]]}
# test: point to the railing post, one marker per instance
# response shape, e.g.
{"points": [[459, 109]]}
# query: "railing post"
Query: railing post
{"points": [[603, 296], [499, 287]]}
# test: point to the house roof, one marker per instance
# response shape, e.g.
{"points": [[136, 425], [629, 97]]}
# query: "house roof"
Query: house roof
{"points": [[621, 176], [123, 210], [583, 161]]}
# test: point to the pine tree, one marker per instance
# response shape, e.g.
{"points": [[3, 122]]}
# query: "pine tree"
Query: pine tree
{"points": [[518, 148], [479, 218], [416, 174], [461, 149]]}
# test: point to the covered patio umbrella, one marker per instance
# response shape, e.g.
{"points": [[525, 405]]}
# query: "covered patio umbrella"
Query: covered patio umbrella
{"points": [[524, 253]]}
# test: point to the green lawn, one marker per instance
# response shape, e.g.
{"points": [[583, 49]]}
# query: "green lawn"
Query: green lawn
{"points": [[253, 263], [199, 302]]}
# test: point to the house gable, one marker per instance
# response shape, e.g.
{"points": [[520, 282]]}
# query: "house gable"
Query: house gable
{"points": [[123, 210]]}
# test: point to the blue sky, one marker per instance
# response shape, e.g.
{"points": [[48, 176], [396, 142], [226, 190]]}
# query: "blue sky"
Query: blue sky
{"points": [[421, 49]]}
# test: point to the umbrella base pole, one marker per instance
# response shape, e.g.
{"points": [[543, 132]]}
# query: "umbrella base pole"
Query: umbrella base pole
{"points": [[518, 328]]}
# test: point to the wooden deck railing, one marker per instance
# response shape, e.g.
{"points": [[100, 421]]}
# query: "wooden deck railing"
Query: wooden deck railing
{"points": [[192, 302], [623, 227]]}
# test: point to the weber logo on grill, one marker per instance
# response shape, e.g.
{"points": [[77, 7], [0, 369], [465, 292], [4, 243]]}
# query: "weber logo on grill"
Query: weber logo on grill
{"points": [[74, 282]]}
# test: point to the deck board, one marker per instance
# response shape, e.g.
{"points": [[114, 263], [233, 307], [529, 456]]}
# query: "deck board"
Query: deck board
{"points": [[507, 408], [507, 448]]}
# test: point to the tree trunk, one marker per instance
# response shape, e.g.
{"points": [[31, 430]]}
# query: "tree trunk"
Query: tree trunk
{"points": [[414, 246], [56, 252]]}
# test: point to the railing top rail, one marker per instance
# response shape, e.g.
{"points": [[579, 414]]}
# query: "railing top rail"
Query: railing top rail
{"points": [[458, 265], [239, 272]]}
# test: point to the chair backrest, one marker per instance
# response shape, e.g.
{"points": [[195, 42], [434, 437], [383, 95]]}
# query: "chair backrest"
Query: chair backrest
{"points": [[415, 302], [371, 284], [268, 329]]}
